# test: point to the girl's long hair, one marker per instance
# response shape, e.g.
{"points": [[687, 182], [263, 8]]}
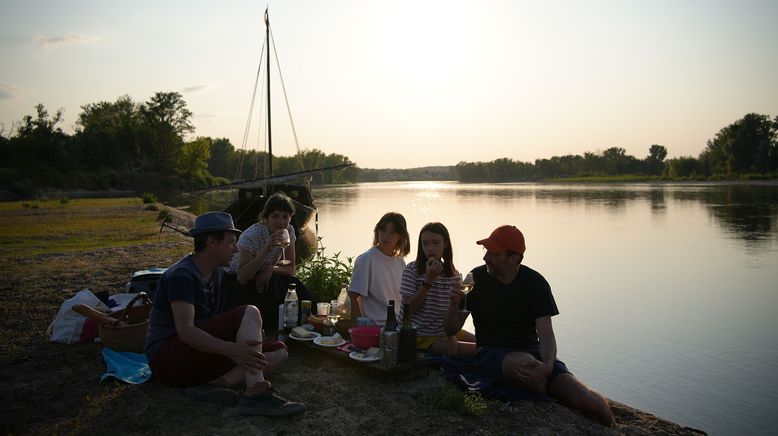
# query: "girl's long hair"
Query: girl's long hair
{"points": [[398, 222], [448, 252]]}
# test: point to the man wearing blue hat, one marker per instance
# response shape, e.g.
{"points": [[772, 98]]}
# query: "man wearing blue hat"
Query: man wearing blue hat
{"points": [[187, 346], [512, 306]]}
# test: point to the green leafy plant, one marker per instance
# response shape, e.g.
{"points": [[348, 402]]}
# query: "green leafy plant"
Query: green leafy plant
{"points": [[451, 399], [148, 197], [324, 274]]}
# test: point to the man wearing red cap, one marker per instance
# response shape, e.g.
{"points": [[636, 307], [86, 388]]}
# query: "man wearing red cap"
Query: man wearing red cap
{"points": [[512, 306]]}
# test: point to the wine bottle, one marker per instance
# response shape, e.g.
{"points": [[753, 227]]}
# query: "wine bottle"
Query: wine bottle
{"points": [[407, 341], [391, 319], [389, 340]]}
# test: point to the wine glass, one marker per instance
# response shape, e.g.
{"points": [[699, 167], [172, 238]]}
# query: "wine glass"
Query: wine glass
{"points": [[334, 312], [466, 286], [285, 240]]}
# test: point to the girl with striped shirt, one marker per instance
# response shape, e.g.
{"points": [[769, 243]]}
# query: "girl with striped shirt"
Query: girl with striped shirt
{"points": [[426, 285]]}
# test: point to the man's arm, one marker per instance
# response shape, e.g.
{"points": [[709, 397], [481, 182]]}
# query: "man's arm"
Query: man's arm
{"points": [[531, 370], [242, 354], [454, 319], [547, 341]]}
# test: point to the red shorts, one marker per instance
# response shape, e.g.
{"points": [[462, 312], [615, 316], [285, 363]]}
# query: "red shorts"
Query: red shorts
{"points": [[177, 365]]}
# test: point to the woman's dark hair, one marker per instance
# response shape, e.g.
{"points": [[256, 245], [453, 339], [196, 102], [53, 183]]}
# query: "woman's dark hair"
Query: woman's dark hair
{"points": [[448, 252], [398, 222], [277, 201]]}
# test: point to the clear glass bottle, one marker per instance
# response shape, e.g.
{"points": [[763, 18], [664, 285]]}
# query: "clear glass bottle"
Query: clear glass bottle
{"points": [[291, 311], [344, 302]]}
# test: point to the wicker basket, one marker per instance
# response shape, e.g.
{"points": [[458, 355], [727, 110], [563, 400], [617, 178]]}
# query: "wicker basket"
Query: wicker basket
{"points": [[129, 332]]}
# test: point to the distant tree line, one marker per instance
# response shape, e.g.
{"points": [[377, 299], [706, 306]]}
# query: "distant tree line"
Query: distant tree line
{"points": [[746, 148], [140, 146]]}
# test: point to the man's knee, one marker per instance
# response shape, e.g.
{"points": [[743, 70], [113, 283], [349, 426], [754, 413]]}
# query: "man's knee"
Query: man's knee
{"points": [[513, 361], [252, 313]]}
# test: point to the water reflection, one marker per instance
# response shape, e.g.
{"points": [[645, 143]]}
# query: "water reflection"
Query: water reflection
{"points": [[747, 212]]}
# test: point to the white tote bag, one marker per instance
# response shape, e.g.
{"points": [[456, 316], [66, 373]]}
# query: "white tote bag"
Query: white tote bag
{"points": [[67, 326]]}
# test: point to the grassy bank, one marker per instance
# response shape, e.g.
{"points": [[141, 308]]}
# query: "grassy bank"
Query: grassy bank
{"points": [[50, 250]]}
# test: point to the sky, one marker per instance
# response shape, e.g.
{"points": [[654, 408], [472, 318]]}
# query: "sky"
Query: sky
{"points": [[399, 84]]}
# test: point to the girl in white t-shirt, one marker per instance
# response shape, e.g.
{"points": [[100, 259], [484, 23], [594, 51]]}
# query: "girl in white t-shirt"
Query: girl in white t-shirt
{"points": [[378, 271]]}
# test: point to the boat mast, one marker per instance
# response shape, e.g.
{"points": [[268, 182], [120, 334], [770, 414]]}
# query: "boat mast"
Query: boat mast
{"points": [[269, 135]]}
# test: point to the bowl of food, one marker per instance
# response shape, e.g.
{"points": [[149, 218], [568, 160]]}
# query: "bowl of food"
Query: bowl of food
{"points": [[317, 322], [365, 337]]}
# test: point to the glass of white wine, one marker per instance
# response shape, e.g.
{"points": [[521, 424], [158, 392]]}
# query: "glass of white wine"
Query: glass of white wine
{"points": [[466, 286], [334, 314], [285, 240]]}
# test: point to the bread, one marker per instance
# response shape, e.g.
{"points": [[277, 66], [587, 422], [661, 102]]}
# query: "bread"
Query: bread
{"points": [[301, 333]]}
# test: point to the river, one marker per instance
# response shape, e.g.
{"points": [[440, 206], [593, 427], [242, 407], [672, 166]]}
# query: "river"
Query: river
{"points": [[667, 293]]}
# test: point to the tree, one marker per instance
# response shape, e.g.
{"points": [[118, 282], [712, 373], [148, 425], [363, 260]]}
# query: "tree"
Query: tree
{"points": [[222, 162], [194, 159], [39, 139], [654, 162], [686, 166], [749, 145], [108, 134], [165, 121]]}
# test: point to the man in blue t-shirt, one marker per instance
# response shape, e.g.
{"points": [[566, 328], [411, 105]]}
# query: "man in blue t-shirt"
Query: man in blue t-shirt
{"points": [[187, 346], [512, 306]]}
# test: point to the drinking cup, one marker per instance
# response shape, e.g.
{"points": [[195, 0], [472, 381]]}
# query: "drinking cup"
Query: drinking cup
{"points": [[322, 309]]}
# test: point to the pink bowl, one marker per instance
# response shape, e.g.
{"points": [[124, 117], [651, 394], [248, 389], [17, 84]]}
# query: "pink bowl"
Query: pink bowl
{"points": [[365, 337]]}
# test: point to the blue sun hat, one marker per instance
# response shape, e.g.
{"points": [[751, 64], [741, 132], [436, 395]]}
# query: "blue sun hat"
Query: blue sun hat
{"points": [[213, 222]]}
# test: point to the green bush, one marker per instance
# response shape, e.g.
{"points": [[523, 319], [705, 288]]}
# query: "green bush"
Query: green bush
{"points": [[148, 197], [323, 275]]}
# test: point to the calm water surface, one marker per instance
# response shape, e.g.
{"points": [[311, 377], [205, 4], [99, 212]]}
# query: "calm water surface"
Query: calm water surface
{"points": [[667, 294]]}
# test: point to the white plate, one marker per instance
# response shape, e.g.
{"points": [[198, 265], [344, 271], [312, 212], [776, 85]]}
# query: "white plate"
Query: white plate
{"points": [[312, 338], [362, 357], [318, 341]]}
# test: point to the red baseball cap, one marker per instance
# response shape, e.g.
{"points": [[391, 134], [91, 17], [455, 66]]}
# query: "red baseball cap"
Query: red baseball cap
{"points": [[504, 238]]}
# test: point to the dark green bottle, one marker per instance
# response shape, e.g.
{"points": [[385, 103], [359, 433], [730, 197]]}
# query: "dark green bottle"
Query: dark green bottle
{"points": [[407, 352]]}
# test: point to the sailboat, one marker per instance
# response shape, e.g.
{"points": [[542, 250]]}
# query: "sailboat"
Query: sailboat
{"points": [[253, 193]]}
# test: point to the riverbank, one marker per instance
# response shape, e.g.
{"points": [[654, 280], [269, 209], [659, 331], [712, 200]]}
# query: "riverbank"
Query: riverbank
{"points": [[50, 251]]}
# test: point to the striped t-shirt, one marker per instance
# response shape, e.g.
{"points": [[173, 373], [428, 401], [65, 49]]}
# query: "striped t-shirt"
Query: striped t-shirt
{"points": [[428, 318]]}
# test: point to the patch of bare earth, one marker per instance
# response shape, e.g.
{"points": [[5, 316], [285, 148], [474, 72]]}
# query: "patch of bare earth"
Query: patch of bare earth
{"points": [[54, 388]]}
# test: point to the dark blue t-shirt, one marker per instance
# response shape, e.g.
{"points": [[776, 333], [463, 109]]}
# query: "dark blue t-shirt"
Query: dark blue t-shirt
{"points": [[181, 282], [504, 315]]}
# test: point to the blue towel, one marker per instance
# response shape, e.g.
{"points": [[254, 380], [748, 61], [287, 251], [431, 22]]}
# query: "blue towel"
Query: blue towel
{"points": [[125, 366]]}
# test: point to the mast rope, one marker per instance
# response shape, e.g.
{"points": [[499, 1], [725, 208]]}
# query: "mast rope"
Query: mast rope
{"points": [[239, 169], [286, 99]]}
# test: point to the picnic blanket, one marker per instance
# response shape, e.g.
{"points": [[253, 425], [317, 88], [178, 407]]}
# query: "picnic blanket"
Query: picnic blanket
{"points": [[128, 367], [463, 372]]}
